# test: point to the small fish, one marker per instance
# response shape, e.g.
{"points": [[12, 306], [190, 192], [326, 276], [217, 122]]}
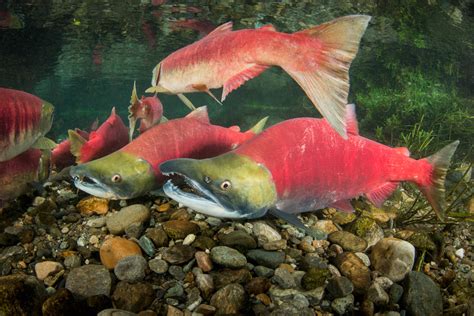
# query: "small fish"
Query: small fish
{"points": [[318, 59], [203, 27], [149, 110], [24, 120], [18, 173], [61, 156], [109, 137], [301, 165], [133, 170]]}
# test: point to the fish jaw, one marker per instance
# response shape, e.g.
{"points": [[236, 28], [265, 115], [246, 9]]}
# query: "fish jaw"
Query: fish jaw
{"points": [[116, 176], [227, 186]]}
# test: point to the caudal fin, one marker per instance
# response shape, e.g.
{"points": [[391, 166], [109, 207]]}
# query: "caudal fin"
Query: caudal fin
{"points": [[327, 83], [435, 191]]}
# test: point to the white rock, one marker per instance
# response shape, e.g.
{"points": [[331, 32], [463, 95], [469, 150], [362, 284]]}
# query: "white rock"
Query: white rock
{"points": [[393, 257], [362, 256], [460, 253], [189, 239], [265, 232]]}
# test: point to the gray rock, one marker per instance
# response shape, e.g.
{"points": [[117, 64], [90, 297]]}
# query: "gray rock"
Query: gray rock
{"points": [[348, 241], [177, 272], [291, 308], [175, 291], [278, 294], [238, 239], [265, 232], [384, 282], [422, 296], [205, 284], [147, 245], [264, 272], [158, 266], [21, 295], [115, 312], [395, 293], [270, 259], [300, 301], [312, 260], [118, 222], [340, 287], [133, 297], [228, 257], [343, 305], [393, 257], [230, 299], [194, 299], [158, 236], [131, 268], [275, 245], [88, 281], [134, 230], [377, 295], [284, 279], [178, 254]]}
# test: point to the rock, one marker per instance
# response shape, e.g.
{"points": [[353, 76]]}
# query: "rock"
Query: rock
{"points": [[88, 281], [343, 218], [178, 254], [314, 278], [229, 300], [355, 270], [343, 305], [173, 311], [238, 239], [312, 261], [365, 259], [178, 229], [133, 297], [258, 285], [189, 239], [228, 257], [158, 266], [46, 268], [205, 284], [116, 248], [395, 293], [367, 229], [72, 261], [158, 236], [367, 308], [422, 296], [291, 308], [284, 279], [224, 277], [393, 258], [384, 282], [176, 272], [147, 245], [134, 230], [265, 232], [203, 243], [60, 303], [205, 309], [314, 296], [118, 222], [340, 287], [203, 261], [176, 291], [96, 222], [270, 259], [275, 245], [348, 241], [115, 312], [98, 303], [131, 268], [93, 205], [422, 241], [21, 295], [377, 295], [326, 226], [264, 272]]}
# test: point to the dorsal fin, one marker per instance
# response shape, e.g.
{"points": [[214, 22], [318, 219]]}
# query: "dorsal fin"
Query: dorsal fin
{"points": [[223, 28], [95, 124], [77, 141], [200, 114], [351, 120], [112, 113], [268, 27]]}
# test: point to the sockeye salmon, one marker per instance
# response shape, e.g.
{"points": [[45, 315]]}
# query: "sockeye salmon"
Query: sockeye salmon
{"points": [[133, 170], [318, 59], [301, 165]]}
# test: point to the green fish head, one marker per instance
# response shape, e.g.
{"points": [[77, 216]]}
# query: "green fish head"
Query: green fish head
{"points": [[229, 186], [119, 175]]}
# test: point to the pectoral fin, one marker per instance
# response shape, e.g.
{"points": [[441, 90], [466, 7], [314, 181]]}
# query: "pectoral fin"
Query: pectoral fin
{"points": [[77, 141], [294, 220], [378, 196], [204, 88], [44, 143], [240, 78], [186, 101]]}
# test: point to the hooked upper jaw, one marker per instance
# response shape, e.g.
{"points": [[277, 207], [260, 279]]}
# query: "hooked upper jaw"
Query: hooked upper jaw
{"points": [[90, 184]]}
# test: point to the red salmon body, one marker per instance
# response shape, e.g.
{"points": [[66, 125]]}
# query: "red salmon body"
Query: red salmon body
{"points": [[61, 156]]}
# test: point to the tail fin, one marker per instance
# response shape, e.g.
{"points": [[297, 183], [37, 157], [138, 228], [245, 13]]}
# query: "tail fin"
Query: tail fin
{"points": [[327, 84], [258, 128], [435, 192]]}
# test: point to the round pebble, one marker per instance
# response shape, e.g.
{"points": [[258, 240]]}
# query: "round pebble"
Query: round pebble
{"points": [[131, 268]]}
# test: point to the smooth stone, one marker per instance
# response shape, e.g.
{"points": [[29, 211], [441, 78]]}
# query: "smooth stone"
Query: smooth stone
{"points": [[228, 257], [263, 272], [343, 305], [72, 261], [116, 248], [275, 245], [46, 268], [189, 239], [93, 205], [365, 259], [173, 311], [224, 277], [355, 270], [265, 232], [96, 222], [133, 297], [203, 243], [175, 291], [147, 245], [229, 300], [115, 312], [134, 230], [340, 287], [393, 257], [376, 294], [395, 293], [314, 278], [214, 221], [314, 296], [193, 299], [89, 280], [178, 229], [326, 226], [312, 261], [60, 303], [422, 296], [384, 282], [118, 222], [21, 295], [158, 266], [291, 308], [270, 259], [258, 285], [238, 239], [178, 254], [367, 229], [176, 272], [203, 261], [348, 241], [284, 278], [205, 310], [158, 236], [131, 268], [367, 308], [205, 283]]}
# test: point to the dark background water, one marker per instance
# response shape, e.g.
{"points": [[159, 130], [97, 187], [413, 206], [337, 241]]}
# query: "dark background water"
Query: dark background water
{"points": [[415, 65]]}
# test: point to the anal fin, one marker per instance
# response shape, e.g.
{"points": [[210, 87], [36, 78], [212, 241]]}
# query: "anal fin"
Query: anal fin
{"points": [[238, 79], [378, 196], [204, 88], [343, 205], [294, 220]]}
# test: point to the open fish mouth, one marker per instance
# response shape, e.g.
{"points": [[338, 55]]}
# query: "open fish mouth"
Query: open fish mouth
{"points": [[93, 187], [192, 194]]}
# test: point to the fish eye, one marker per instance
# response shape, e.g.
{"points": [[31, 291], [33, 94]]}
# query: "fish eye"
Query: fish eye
{"points": [[226, 185], [207, 179], [116, 178]]}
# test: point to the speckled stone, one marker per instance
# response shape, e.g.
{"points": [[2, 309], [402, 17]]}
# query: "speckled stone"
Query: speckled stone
{"points": [[228, 257]]}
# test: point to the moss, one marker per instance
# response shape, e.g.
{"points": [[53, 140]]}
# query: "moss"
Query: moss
{"points": [[422, 241], [314, 278], [363, 226]]}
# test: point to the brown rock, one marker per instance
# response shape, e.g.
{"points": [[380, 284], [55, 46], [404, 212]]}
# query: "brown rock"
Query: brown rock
{"points": [[173, 311], [158, 236], [60, 303], [116, 248], [164, 207], [348, 241], [229, 300], [133, 297], [355, 270], [203, 261], [205, 283], [326, 226], [93, 205], [258, 285], [181, 215], [178, 254], [46, 268], [224, 277], [262, 297], [177, 229], [205, 309]]}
